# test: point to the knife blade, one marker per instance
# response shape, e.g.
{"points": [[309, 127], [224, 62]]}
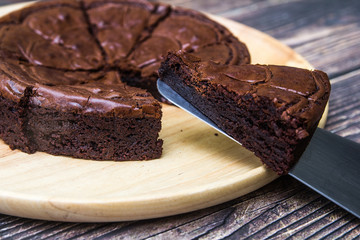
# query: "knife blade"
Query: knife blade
{"points": [[330, 164]]}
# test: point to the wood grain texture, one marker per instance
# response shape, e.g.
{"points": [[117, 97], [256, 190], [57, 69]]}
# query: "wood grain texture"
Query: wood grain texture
{"points": [[325, 33]]}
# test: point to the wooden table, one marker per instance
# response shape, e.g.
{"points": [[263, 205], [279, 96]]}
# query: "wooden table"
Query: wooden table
{"points": [[327, 34]]}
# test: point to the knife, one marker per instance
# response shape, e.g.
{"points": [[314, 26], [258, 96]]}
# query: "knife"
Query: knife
{"points": [[330, 164]]}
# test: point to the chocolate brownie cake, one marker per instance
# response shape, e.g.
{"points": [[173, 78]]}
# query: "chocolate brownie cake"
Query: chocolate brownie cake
{"points": [[77, 78], [272, 110]]}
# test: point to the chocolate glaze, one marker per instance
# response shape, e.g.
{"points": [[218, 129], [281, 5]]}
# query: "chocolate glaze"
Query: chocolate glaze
{"points": [[77, 91], [55, 37], [74, 55]]}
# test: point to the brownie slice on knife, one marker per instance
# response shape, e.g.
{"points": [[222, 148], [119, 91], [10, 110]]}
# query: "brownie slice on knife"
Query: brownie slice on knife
{"points": [[272, 110]]}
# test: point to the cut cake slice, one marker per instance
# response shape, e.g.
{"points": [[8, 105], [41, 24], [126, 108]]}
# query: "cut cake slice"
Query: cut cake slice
{"points": [[272, 110]]}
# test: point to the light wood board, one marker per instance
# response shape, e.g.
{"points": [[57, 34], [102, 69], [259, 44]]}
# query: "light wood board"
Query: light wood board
{"points": [[198, 169]]}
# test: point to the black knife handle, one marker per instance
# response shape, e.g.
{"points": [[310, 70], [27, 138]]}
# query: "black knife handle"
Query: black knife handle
{"points": [[331, 166]]}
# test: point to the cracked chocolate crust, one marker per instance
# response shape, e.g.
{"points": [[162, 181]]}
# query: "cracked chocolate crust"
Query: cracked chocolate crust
{"points": [[272, 110], [78, 77], [128, 37]]}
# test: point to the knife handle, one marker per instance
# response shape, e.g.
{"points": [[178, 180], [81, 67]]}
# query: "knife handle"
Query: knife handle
{"points": [[331, 166]]}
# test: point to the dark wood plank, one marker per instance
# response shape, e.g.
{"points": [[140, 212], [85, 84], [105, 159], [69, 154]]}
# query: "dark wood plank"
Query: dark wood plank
{"points": [[344, 112]]}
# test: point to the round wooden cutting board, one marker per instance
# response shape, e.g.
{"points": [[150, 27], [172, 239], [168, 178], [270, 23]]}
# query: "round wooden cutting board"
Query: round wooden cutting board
{"points": [[199, 168]]}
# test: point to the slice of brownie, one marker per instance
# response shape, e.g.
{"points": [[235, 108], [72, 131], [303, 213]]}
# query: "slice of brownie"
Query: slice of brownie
{"points": [[272, 110]]}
